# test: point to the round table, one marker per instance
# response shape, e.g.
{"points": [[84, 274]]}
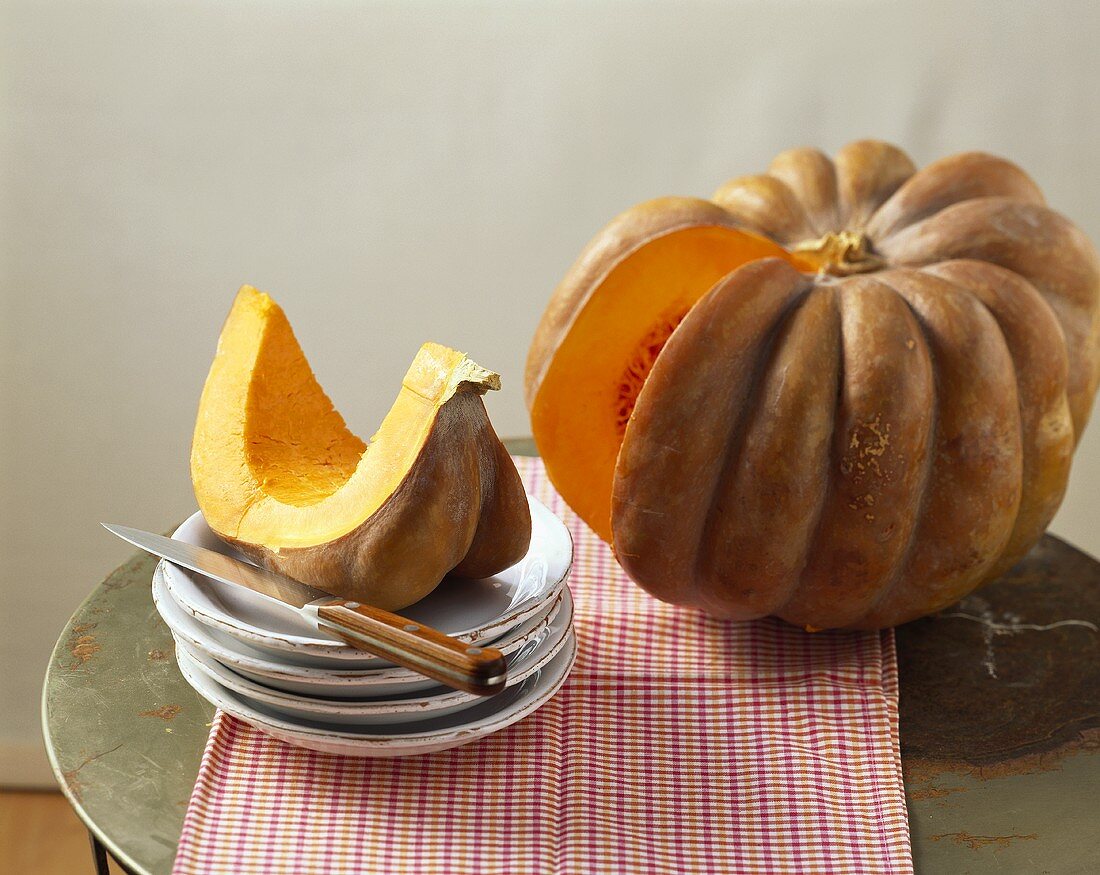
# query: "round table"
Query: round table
{"points": [[1000, 721]]}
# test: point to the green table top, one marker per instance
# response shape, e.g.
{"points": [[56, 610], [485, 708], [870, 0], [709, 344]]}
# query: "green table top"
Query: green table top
{"points": [[1000, 721]]}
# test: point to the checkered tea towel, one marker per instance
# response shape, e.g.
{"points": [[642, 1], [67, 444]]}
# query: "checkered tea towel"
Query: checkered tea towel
{"points": [[679, 744]]}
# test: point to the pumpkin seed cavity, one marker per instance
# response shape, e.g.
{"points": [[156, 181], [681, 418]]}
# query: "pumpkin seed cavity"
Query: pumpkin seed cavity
{"points": [[637, 370]]}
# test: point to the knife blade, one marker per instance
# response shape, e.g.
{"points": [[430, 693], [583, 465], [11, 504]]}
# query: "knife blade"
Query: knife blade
{"points": [[479, 670]]}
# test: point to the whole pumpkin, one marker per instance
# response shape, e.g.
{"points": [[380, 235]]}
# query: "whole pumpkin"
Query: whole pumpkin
{"points": [[844, 392]]}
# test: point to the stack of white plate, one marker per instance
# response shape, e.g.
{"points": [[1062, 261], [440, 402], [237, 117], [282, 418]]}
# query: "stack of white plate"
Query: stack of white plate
{"points": [[265, 664]]}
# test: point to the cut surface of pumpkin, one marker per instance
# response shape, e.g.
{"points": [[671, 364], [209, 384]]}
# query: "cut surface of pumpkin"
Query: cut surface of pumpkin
{"points": [[277, 472], [592, 381]]}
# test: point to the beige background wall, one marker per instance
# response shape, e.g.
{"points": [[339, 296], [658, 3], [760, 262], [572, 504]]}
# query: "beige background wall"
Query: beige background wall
{"points": [[394, 172]]}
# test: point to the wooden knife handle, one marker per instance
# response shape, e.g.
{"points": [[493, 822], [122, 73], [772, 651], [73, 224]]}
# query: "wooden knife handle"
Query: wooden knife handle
{"points": [[479, 670]]}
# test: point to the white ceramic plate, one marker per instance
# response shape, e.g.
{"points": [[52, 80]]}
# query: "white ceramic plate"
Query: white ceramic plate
{"points": [[439, 701], [406, 739], [338, 683], [473, 610]]}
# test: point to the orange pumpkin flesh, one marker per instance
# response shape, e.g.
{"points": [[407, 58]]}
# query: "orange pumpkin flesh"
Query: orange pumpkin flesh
{"points": [[278, 474], [855, 445], [598, 365]]}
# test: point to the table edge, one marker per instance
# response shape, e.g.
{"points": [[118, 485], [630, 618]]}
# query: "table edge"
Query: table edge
{"points": [[119, 855]]}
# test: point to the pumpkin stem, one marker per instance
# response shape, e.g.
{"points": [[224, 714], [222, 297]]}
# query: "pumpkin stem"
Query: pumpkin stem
{"points": [[841, 253]]}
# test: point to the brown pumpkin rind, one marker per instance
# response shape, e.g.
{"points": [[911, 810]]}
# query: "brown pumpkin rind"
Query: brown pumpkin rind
{"points": [[460, 510], [665, 478], [864, 445], [879, 465]]}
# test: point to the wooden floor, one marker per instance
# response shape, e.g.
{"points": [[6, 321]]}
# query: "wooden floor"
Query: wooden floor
{"points": [[40, 835]]}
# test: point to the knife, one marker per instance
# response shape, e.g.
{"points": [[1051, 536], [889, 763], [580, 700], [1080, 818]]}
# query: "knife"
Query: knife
{"points": [[479, 670]]}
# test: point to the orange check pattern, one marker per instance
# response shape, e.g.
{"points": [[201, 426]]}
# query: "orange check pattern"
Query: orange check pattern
{"points": [[679, 744]]}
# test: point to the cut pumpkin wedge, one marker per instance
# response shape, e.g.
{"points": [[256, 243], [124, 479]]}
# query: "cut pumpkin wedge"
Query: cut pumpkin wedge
{"points": [[620, 303], [278, 474]]}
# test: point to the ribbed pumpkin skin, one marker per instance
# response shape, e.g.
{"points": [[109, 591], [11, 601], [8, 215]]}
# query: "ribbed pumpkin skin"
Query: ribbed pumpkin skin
{"points": [[860, 450]]}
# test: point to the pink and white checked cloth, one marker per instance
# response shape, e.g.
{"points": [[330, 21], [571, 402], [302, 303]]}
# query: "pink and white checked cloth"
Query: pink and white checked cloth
{"points": [[679, 744]]}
